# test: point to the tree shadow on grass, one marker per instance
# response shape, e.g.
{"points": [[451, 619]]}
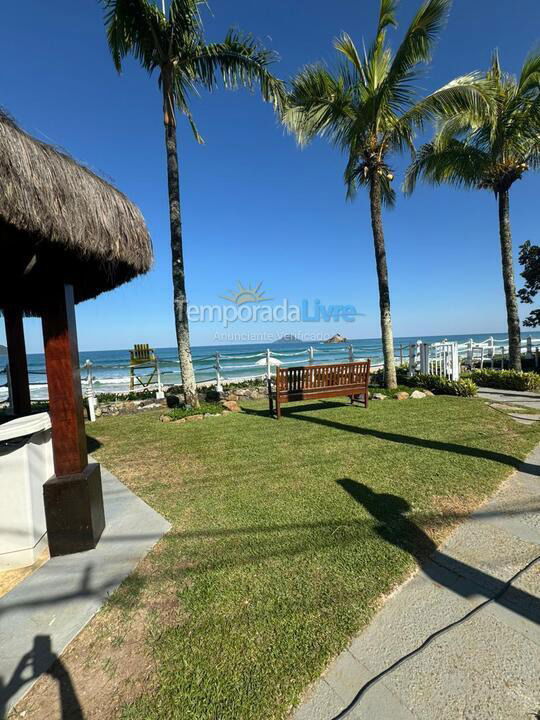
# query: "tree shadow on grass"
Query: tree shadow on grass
{"points": [[459, 577], [298, 414]]}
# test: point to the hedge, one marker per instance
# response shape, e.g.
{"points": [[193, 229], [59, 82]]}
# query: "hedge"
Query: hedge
{"points": [[443, 386], [506, 379]]}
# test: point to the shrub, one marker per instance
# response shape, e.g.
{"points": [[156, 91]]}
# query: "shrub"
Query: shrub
{"points": [[179, 413], [402, 376], [442, 386], [506, 379], [124, 396]]}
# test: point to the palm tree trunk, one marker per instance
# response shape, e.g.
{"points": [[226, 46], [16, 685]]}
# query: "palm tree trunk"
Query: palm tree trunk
{"points": [[178, 272], [382, 275], [512, 315]]}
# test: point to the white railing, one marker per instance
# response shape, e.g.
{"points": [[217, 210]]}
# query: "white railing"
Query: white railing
{"points": [[219, 368]]}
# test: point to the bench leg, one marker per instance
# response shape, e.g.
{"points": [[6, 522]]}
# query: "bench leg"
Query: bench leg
{"points": [[278, 408]]}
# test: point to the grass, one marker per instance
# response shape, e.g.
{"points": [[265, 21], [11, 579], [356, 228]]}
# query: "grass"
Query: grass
{"points": [[275, 558]]}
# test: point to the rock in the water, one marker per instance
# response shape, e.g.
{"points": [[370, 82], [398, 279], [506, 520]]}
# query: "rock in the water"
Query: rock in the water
{"points": [[192, 418], [231, 405], [402, 395], [378, 396], [418, 395], [165, 418]]}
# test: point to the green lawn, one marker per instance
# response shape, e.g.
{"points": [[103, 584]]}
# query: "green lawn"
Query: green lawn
{"points": [[283, 542]]}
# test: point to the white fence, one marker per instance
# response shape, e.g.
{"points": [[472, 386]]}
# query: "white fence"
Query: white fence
{"points": [[441, 358], [435, 359]]}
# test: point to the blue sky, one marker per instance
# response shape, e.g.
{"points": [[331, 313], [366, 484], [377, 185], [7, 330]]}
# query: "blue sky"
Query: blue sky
{"points": [[255, 208]]}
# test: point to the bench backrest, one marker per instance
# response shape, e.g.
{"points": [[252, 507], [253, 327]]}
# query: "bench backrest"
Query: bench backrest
{"points": [[321, 377], [141, 353]]}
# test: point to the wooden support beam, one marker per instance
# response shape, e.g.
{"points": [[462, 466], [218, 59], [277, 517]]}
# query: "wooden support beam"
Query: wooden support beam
{"points": [[73, 497], [18, 367], [64, 381]]}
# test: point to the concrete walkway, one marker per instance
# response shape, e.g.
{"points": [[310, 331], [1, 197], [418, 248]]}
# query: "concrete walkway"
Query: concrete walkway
{"points": [[521, 398], [487, 668], [43, 614]]}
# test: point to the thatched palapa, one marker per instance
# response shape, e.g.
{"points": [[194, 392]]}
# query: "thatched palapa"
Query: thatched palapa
{"points": [[61, 222]]}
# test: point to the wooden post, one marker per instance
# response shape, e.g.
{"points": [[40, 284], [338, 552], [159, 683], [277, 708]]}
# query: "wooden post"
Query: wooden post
{"points": [[73, 497], [18, 368]]}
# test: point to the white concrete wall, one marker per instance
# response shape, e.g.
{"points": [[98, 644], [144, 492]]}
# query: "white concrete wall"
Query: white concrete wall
{"points": [[25, 465]]}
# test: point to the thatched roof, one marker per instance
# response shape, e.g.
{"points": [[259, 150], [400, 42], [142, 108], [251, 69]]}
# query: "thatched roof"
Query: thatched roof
{"points": [[61, 222]]}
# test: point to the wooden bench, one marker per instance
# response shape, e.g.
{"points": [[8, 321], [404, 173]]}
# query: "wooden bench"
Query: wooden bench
{"points": [[319, 381]]}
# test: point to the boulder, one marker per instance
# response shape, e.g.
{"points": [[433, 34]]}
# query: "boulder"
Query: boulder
{"points": [[418, 395], [231, 405], [180, 420], [429, 393], [173, 401], [213, 395], [193, 418], [402, 395], [165, 418], [378, 396]]}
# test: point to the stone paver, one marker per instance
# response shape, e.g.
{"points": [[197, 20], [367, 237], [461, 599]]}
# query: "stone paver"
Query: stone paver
{"points": [[483, 669], [521, 398], [47, 610]]}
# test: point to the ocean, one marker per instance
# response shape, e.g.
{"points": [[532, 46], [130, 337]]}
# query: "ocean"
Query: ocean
{"points": [[111, 367]]}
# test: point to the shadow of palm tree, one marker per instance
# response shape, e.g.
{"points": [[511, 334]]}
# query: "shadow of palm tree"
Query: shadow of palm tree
{"points": [[459, 577], [297, 413]]}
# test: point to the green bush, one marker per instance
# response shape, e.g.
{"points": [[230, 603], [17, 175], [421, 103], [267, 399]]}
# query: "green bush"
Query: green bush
{"points": [[179, 413], [442, 386], [402, 376], [437, 385], [506, 379], [124, 396]]}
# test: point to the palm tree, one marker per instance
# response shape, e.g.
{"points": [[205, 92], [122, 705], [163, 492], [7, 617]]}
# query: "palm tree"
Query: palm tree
{"points": [[489, 149], [171, 43], [368, 108]]}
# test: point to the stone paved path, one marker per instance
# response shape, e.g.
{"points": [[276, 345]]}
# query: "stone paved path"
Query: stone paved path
{"points": [[41, 616], [485, 669]]}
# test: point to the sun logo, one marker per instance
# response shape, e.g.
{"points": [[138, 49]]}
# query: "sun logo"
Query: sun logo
{"points": [[246, 295]]}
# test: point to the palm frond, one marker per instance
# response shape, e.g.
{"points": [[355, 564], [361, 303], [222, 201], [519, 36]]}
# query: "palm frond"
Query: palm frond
{"points": [[529, 79], [387, 17], [469, 95], [319, 103], [345, 45], [237, 61], [137, 27], [419, 39], [457, 163]]}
